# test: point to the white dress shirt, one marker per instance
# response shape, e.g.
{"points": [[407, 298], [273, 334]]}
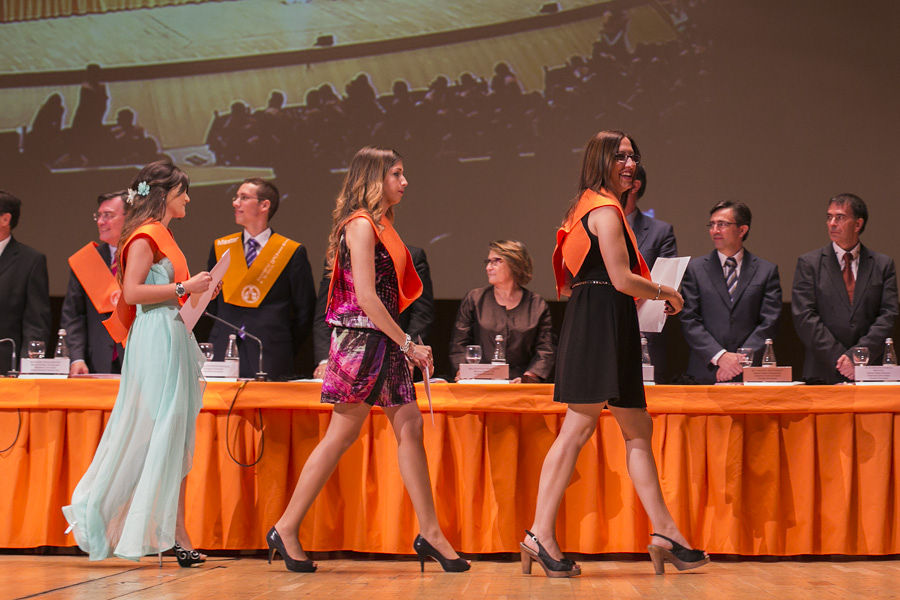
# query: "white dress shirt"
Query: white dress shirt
{"points": [[739, 258]]}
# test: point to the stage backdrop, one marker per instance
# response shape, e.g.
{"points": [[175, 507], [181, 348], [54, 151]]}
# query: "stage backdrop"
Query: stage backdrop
{"points": [[779, 105]]}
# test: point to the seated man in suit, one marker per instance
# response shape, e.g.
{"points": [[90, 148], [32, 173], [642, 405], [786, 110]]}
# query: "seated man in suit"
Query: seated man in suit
{"points": [[844, 295], [268, 288], [92, 292], [732, 299], [655, 238], [24, 295], [416, 320]]}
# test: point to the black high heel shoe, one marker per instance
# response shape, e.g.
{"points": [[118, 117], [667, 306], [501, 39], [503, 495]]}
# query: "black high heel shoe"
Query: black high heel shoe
{"points": [[298, 566], [678, 555], [426, 550], [186, 558], [552, 567]]}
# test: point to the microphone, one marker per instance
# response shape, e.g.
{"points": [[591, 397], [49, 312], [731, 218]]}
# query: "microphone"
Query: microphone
{"points": [[260, 374], [12, 370]]}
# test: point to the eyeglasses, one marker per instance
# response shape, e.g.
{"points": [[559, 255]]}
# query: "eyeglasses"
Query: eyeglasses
{"points": [[719, 224], [243, 198], [621, 157], [104, 216], [838, 218], [493, 261]]}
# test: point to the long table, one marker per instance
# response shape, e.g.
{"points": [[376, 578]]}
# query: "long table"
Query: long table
{"points": [[745, 470]]}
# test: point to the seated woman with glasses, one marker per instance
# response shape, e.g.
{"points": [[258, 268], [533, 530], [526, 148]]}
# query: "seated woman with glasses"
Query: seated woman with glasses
{"points": [[506, 308]]}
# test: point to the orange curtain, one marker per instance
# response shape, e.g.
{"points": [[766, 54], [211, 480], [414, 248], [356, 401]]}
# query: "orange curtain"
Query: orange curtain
{"points": [[745, 470], [25, 10]]}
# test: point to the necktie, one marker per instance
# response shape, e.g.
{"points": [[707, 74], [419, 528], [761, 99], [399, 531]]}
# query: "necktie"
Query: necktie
{"points": [[849, 281], [731, 276], [113, 265], [252, 249]]}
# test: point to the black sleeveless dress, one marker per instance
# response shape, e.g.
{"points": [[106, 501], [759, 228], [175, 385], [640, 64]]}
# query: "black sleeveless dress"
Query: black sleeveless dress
{"points": [[599, 354]]}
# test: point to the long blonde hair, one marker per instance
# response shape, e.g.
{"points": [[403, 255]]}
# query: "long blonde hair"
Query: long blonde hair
{"points": [[363, 189]]}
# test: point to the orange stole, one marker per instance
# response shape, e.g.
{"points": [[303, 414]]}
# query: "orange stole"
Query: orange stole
{"points": [[120, 321], [95, 277], [408, 282], [573, 242]]}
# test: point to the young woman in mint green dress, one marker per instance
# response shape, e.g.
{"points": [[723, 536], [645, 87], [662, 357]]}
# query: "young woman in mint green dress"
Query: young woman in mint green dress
{"points": [[130, 502]]}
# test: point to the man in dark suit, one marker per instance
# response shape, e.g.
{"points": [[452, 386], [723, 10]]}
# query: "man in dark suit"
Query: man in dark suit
{"points": [[90, 347], [416, 320], [732, 299], [844, 295], [24, 295], [268, 289], [655, 238]]}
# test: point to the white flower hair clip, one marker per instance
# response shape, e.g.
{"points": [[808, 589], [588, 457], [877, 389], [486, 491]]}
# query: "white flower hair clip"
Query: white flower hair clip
{"points": [[130, 199]]}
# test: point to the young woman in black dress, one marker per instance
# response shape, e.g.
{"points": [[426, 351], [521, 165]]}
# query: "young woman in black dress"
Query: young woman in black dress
{"points": [[599, 356]]}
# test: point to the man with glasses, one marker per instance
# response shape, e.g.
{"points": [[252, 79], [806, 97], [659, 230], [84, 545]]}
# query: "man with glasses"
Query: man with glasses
{"points": [[93, 292], [844, 295], [268, 289], [655, 238], [732, 299], [24, 295]]}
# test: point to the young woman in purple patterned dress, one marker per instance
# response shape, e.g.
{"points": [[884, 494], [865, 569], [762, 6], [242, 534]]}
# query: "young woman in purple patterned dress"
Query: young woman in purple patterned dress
{"points": [[373, 279]]}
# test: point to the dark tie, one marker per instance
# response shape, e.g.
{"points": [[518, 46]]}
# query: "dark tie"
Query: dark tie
{"points": [[849, 281], [252, 249], [731, 276]]}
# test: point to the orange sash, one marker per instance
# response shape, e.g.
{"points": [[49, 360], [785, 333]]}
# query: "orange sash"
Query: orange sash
{"points": [[573, 242], [95, 277], [120, 322], [248, 287], [409, 284]]}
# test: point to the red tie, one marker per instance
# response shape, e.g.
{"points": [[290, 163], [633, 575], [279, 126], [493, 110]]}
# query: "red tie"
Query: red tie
{"points": [[849, 281]]}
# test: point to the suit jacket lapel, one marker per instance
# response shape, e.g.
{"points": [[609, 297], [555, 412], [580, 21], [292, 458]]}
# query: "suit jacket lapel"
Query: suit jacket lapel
{"points": [[641, 226], [7, 259], [829, 260], [105, 254], [749, 265], [863, 272], [717, 276]]}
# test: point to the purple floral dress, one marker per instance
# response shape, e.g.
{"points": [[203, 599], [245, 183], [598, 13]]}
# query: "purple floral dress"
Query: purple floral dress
{"points": [[364, 365]]}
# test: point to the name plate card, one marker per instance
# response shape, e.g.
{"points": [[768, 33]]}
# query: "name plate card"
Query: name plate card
{"points": [[483, 371], [219, 369], [648, 373], [768, 375], [876, 373], [34, 368]]}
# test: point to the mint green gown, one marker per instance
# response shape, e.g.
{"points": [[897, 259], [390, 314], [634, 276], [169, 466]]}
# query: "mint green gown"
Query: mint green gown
{"points": [[127, 501]]}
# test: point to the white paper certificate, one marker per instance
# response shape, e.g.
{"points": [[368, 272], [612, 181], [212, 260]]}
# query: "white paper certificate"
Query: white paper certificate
{"points": [[667, 271], [196, 304]]}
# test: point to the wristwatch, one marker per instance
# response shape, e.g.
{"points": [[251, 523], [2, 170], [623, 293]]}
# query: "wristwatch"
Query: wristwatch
{"points": [[179, 290]]}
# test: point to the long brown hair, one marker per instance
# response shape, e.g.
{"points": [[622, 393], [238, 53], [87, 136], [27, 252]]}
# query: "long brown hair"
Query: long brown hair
{"points": [[363, 189], [597, 164], [162, 177]]}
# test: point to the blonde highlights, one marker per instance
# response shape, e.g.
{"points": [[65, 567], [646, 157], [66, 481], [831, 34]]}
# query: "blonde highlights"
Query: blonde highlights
{"points": [[516, 257], [363, 189]]}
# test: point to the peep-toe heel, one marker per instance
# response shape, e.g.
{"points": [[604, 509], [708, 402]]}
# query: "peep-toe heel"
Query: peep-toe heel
{"points": [[683, 558]]}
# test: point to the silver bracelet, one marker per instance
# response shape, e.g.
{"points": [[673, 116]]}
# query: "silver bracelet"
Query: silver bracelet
{"points": [[407, 343], [658, 290]]}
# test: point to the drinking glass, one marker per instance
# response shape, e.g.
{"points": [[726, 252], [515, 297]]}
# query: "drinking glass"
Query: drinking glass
{"points": [[207, 350], [473, 354], [36, 349], [860, 355], [745, 356]]}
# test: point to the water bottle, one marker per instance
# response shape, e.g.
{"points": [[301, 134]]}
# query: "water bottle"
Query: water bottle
{"points": [[499, 356], [62, 349], [768, 359], [645, 352], [890, 356], [231, 352]]}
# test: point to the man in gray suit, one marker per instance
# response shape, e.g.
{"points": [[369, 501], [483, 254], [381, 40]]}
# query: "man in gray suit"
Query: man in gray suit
{"points": [[732, 299], [655, 239], [83, 312], [844, 295]]}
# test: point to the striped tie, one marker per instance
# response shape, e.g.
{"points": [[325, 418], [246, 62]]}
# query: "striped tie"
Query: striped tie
{"points": [[252, 248], [731, 275]]}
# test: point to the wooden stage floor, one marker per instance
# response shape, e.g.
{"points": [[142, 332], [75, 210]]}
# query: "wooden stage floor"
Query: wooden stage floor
{"points": [[74, 577]]}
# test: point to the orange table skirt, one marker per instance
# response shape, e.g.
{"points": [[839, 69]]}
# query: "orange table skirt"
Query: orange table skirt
{"points": [[744, 470]]}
